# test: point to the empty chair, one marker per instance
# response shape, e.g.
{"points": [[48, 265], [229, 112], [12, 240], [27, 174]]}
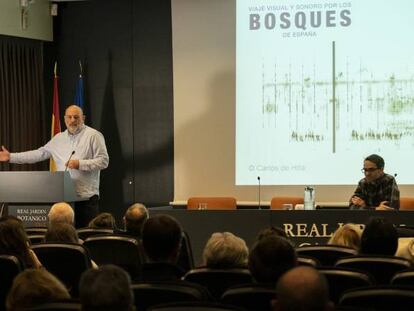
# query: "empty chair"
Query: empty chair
{"points": [[379, 298], [185, 259], [217, 281], [342, 279], [406, 203], [122, 251], [403, 278], [153, 293], [194, 306], [327, 255], [66, 261], [10, 266], [84, 233], [251, 297], [382, 268], [277, 202], [228, 203]]}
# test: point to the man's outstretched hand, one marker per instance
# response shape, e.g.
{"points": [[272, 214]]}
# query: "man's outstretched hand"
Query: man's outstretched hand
{"points": [[4, 154]]}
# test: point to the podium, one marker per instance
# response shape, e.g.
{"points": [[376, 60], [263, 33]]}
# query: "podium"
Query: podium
{"points": [[29, 195]]}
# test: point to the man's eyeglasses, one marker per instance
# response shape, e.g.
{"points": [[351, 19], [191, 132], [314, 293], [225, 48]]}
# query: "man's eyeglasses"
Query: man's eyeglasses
{"points": [[369, 170]]}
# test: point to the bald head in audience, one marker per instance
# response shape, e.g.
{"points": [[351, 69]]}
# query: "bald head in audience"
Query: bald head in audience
{"points": [[135, 218], [302, 289], [61, 213]]}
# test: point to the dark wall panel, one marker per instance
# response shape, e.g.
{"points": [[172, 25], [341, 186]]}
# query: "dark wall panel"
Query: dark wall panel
{"points": [[131, 107]]}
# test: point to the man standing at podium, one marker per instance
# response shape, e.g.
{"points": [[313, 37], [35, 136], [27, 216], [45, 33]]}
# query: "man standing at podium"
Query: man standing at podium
{"points": [[81, 150]]}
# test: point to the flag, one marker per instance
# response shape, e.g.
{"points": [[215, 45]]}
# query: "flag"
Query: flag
{"points": [[79, 89], [55, 128]]}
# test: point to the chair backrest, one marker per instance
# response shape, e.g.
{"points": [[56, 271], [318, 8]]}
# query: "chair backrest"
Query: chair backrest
{"points": [[36, 238], [277, 202], [382, 268], [195, 306], [226, 203], [217, 281], [406, 203], [84, 233], [403, 278], [10, 266], [308, 261], [250, 297], [66, 261], [379, 298], [186, 260], [122, 251], [342, 279], [57, 306], [35, 230], [153, 293], [327, 255]]}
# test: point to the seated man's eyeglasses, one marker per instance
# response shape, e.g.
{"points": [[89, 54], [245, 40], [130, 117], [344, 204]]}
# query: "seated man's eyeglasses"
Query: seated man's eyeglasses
{"points": [[369, 170]]}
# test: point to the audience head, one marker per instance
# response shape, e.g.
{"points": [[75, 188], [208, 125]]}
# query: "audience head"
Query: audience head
{"points": [[134, 219], [379, 238], [348, 235], [106, 288], [302, 289], [61, 212], [271, 231], [161, 238], [103, 221], [34, 287], [270, 257], [14, 240], [61, 232], [225, 250]]}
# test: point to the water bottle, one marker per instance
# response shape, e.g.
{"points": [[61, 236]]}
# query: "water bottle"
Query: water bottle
{"points": [[309, 198]]}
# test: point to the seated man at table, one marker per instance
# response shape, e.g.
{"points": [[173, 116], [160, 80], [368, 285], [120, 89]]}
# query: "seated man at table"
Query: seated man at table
{"points": [[377, 190]]}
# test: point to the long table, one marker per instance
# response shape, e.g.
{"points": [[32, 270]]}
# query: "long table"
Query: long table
{"points": [[303, 227]]}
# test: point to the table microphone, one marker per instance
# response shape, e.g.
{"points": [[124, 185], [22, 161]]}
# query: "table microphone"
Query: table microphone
{"points": [[73, 152], [393, 190], [258, 179]]}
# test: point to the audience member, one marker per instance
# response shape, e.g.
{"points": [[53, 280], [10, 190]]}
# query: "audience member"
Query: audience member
{"points": [[224, 251], [348, 235], [61, 232], [14, 241], [61, 212], [103, 221], [33, 287], [302, 289], [270, 257], [271, 231], [379, 238], [106, 288], [134, 220], [161, 239]]}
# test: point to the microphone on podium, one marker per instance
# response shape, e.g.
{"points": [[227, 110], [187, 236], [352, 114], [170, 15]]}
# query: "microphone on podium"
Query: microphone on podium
{"points": [[393, 190], [73, 152], [258, 179]]}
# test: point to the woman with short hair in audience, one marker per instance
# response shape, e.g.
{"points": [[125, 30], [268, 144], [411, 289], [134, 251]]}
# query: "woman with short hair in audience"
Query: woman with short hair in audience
{"points": [[103, 221], [34, 287], [224, 250], [348, 235], [14, 241], [61, 232]]}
